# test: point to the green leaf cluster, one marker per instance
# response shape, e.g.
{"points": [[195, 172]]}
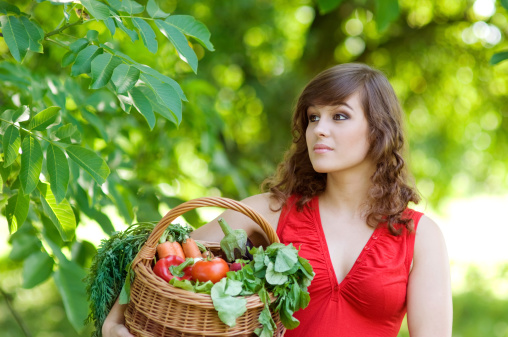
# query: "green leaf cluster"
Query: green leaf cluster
{"points": [[279, 270]]}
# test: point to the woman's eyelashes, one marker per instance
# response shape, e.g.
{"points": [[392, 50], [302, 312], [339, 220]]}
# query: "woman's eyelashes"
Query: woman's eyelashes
{"points": [[337, 117]]}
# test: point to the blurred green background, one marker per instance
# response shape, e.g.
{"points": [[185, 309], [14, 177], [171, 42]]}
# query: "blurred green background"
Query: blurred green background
{"points": [[235, 128]]}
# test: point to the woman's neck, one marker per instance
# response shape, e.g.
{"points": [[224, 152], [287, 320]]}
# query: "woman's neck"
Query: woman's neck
{"points": [[346, 193]]}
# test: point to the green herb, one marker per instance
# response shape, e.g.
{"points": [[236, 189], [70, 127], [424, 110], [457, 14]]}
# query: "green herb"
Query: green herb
{"points": [[279, 270], [107, 278]]}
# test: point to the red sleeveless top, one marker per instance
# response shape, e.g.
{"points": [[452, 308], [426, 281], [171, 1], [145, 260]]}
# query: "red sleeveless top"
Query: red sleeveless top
{"points": [[371, 300]]}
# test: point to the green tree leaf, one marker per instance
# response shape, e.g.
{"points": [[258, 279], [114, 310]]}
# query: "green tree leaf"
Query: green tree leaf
{"points": [[163, 78], [154, 11], [58, 171], [110, 23], [20, 112], [143, 105], [17, 210], [31, 163], [36, 269], [60, 214], [387, 11], [68, 59], [131, 33], [11, 143], [97, 9], [79, 45], [44, 118], [90, 162], [326, 6], [165, 93], [66, 131], [15, 36], [35, 34], [69, 281], [178, 39], [83, 62], [102, 69], [24, 243], [147, 34], [191, 27], [6, 8], [498, 57], [132, 7], [158, 106], [92, 35], [124, 78]]}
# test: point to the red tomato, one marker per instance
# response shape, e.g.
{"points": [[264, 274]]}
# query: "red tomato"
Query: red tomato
{"points": [[210, 270]]}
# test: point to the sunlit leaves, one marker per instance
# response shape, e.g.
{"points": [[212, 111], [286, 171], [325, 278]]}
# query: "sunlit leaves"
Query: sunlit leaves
{"points": [[90, 162], [387, 11], [178, 39], [96, 8], [165, 93], [31, 163], [102, 68], [58, 171], [83, 62], [11, 144], [15, 36], [191, 27], [143, 105], [147, 34], [131, 7], [35, 34], [17, 210], [44, 118], [61, 214], [154, 11], [124, 78]]}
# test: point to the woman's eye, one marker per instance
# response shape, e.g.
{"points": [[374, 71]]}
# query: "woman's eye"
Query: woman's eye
{"points": [[313, 118], [339, 117]]}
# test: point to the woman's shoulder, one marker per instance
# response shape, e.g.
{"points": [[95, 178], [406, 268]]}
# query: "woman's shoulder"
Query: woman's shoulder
{"points": [[265, 205], [429, 237]]}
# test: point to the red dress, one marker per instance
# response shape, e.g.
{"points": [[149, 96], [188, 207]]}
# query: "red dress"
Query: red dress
{"points": [[371, 300]]}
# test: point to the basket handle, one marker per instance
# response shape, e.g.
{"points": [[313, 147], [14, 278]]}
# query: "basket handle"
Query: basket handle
{"points": [[147, 252]]}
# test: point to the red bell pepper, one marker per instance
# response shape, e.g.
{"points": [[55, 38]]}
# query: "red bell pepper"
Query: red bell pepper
{"points": [[173, 266]]}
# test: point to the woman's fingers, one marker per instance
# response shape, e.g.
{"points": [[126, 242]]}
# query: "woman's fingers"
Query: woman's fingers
{"points": [[120, 330]]}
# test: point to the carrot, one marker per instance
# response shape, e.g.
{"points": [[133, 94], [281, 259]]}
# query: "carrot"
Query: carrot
{"points": [[178, 249], [168, 246], [190, 248], [164, 249]]}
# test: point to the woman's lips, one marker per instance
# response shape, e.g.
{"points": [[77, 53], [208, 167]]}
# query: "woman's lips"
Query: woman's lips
{"points": [[321, 148]]}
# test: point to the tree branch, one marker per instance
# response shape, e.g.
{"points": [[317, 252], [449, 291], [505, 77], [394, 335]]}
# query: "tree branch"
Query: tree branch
{"points": [[18, 318], [64, 27]]}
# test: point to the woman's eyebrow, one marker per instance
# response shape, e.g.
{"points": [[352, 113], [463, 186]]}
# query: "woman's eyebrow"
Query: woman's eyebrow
{"points": [[338, 105]]}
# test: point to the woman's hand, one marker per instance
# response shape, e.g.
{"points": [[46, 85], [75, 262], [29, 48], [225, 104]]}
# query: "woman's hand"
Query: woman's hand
{"points": [[114, 324]]}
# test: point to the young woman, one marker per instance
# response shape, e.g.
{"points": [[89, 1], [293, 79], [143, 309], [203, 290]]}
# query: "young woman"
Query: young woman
{"points": [[342, 196]]}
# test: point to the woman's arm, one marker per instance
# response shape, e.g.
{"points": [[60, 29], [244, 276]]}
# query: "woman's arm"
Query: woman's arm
{"points": [[429, 296], [114, 324]]}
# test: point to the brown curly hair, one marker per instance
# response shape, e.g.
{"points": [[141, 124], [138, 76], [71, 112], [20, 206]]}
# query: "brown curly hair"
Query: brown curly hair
{"points": [[390, 191]]}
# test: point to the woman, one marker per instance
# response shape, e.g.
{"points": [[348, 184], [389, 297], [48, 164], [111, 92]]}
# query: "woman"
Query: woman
{"points": [[342, 195]]}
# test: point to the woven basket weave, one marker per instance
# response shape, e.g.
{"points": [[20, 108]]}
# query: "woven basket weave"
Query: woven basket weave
{"points": [[157, 309]]}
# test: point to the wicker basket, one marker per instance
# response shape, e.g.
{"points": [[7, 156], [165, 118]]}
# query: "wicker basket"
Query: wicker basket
{"points": [[158, 309]]}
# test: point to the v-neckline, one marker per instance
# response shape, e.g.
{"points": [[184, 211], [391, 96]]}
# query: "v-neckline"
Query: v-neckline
{"points": [[328, 258]]}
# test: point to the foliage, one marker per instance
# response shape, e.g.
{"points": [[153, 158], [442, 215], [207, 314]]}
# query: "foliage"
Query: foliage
{"points": [[53, 171]]}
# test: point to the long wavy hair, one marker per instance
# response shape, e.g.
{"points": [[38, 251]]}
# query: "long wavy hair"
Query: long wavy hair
{"points": [[390, 192]]}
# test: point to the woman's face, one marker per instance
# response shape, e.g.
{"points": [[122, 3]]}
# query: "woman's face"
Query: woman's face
{"points": [[337, 137]]}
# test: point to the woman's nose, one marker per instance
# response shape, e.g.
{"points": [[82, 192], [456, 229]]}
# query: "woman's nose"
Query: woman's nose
{"points": [[321, 129]]}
